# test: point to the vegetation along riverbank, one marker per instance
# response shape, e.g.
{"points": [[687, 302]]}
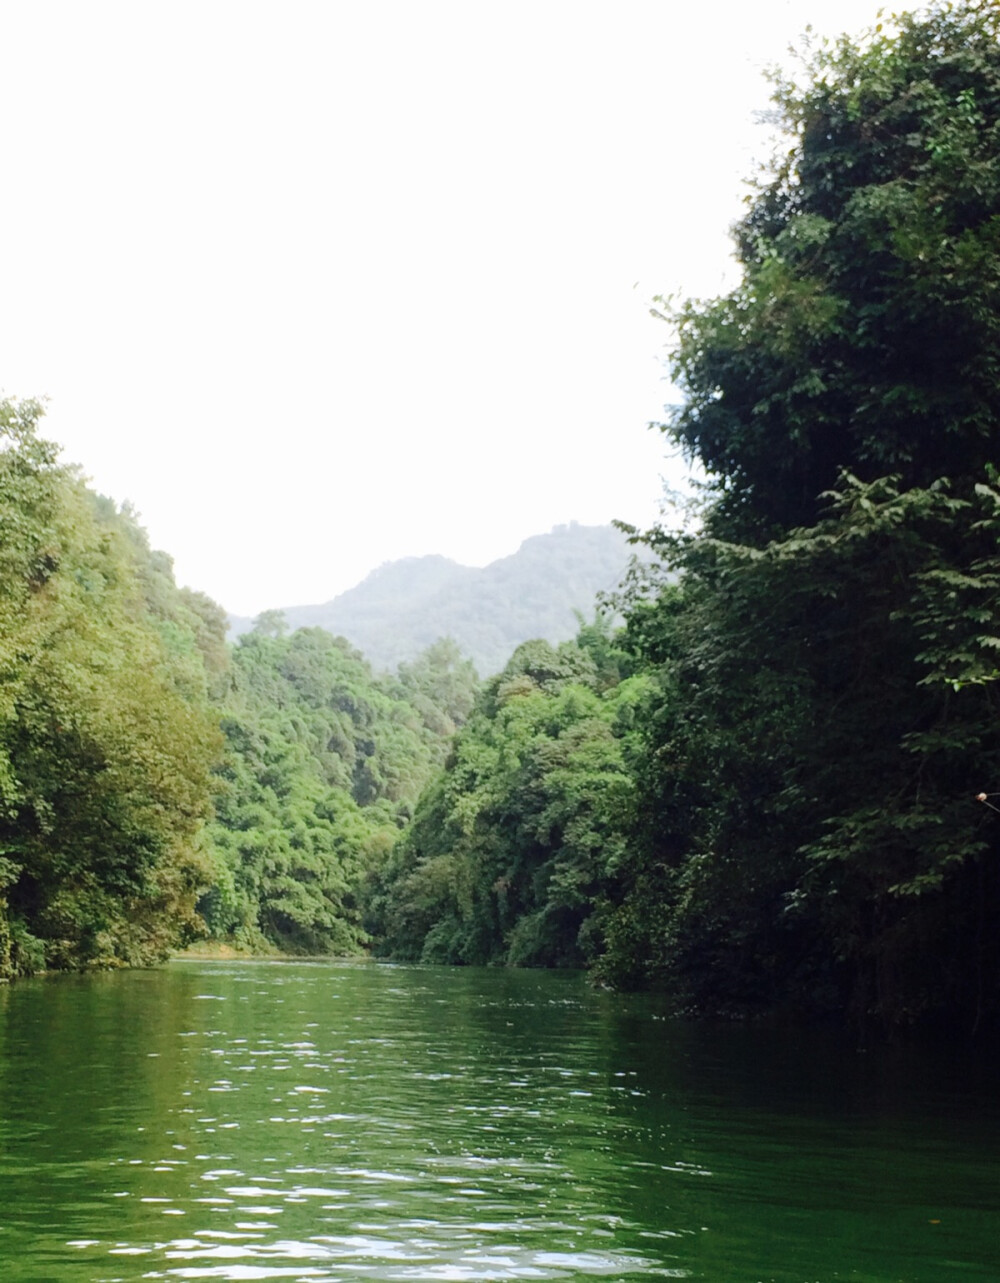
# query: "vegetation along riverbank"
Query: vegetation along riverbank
{"points": [[751, 782]]}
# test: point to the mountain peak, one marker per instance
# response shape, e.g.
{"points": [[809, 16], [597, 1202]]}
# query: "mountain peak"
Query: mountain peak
{"points": [[403, 606]]}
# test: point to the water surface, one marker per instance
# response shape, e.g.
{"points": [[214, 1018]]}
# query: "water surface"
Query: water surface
{"points": [[334, 1121]]}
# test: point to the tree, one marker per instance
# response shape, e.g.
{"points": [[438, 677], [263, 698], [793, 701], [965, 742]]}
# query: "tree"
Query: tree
{"points": [[828, 665], [271, 623], [866, 331]]}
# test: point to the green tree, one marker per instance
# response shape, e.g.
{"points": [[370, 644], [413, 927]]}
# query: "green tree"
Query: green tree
{"points": [[271, 623], [827, 668], [865, 332]]}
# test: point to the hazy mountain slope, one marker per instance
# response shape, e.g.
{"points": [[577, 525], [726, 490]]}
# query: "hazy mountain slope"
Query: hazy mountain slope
{"points": [[404, 606]]}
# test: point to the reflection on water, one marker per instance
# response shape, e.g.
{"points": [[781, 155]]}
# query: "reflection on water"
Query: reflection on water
{"points": [[334, 1121]]}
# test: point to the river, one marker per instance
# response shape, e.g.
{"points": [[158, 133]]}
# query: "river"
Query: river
{"points": [[338, 1121]]}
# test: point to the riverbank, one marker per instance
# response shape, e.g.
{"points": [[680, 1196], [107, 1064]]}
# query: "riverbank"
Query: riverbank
{"points": [[223, 951]]}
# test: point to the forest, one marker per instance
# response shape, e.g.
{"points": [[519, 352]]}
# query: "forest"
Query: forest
{"points": [[760, 779]]}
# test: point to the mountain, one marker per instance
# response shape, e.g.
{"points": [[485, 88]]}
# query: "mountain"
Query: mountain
{"points": [[404, 606]]}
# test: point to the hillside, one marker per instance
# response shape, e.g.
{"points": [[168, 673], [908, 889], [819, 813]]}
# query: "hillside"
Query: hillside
{"points": [[404, 606]]}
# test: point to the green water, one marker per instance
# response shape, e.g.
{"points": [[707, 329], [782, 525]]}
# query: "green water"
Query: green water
{"points": [[331, 1121]]}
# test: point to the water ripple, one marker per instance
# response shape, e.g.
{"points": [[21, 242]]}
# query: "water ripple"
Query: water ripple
{"points": [[339, 1122]]}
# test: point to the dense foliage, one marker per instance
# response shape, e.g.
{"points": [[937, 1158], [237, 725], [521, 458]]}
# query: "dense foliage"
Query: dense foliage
{"points": [[324, 765], [512, 850], [828, 707], [107, 741], [866, 331]]}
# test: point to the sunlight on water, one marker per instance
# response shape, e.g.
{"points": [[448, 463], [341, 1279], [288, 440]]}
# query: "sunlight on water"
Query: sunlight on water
{"points": [[335, 1121]]}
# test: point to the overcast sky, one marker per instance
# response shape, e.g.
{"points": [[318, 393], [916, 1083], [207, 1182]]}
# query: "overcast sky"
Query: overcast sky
{"points": [[319, 285]]}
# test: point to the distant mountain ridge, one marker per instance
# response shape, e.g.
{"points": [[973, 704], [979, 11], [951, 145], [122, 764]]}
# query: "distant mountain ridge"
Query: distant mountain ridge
{"points": [[404, 606]]}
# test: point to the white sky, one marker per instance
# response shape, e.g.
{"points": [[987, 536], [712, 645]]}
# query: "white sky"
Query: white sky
{"points": [[319, 285]]}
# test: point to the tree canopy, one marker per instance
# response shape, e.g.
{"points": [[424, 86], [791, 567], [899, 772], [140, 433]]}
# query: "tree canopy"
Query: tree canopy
{"points": [[864, 334]]}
